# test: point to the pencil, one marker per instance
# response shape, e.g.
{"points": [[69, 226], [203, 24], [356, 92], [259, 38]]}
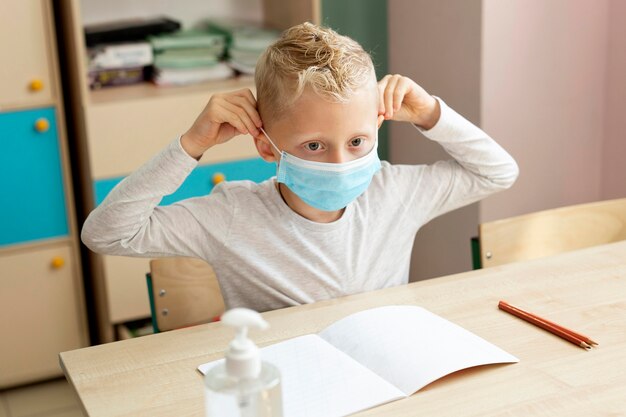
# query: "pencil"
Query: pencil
{"points": [[569, 335], [573, 333]]}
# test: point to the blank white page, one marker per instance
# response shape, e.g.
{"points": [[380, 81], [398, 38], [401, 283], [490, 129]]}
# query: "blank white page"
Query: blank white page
{"points": [[320, 381], [409, 346]]}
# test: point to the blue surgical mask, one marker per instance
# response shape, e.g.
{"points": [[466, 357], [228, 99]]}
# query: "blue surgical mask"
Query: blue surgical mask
{"points": [[326, 186]]}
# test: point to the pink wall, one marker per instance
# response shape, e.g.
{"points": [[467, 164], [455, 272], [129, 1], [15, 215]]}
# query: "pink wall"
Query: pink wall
{"points": [[546, 79], [437, 44], [544, 73], [614, 155]]}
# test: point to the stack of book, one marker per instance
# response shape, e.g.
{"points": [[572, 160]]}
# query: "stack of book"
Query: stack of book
{"points": [[118, 64], [189, 57], [245, 42], [117, 51]]}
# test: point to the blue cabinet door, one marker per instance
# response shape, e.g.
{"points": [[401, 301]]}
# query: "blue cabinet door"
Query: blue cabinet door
{"points": [[31, 182], [200, 181]]}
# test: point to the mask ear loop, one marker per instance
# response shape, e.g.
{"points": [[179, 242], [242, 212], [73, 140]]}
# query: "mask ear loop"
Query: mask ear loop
{"points": [[268, 138], [280, 152]]}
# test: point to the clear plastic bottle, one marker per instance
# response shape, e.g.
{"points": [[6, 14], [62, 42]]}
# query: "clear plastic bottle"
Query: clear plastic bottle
{"points": [[259, 397], [243, 385]]}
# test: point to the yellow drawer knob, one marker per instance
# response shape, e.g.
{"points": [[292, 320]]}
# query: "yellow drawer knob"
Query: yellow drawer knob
{"points": [[57, 262], [36, 85], [42, 125], [218, 177]]}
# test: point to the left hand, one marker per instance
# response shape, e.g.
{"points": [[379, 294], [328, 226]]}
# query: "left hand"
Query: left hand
{"points": [[401, 99]]}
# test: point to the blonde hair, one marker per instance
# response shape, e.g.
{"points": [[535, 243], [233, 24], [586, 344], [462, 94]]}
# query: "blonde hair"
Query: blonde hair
{"points": [[334, 66]]}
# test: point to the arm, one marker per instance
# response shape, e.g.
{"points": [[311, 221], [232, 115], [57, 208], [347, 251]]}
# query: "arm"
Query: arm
{"points": [[129, 222], [479, 167]]}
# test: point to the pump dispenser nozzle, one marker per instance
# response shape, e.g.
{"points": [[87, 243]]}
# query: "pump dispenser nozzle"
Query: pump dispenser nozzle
{"points": [[242, 357]]}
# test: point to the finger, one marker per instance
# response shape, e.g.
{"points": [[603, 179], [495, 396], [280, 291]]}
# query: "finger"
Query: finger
{"points": [[384, 80], [242, 116], [245, 93], [382, 84], [234, 120], [399, 93], [250, 97], [391, 86], [250, 110], [223, 113], [380, 120]]}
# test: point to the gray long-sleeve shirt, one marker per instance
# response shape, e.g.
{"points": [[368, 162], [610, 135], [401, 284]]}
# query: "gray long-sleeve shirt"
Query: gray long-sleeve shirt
{"points": [[265, 255]]}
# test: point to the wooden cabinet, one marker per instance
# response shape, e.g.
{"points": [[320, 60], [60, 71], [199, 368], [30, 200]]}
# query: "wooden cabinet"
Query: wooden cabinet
{"points": [[119, 129], [31, 177], [42, 314], [27, 70], [41, 287]]}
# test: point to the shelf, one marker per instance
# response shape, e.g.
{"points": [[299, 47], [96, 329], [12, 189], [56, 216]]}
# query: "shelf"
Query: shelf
{"points": [[151, 91], [117, 129]]}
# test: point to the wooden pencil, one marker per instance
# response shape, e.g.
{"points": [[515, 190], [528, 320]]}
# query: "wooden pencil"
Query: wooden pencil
{"points": [[586, 339], [557, 330]]}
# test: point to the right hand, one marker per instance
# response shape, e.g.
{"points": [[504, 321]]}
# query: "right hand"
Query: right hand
{"points": [[225, 116]]}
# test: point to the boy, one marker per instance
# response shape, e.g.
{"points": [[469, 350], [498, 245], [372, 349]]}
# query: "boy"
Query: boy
{"points": [[335, 220]]}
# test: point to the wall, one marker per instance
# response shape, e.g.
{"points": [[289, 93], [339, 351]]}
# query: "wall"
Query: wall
{"points": [[437, 44], [546, 79], [614, 153], [544, 72]]}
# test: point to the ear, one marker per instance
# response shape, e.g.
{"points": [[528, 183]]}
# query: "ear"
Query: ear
{"points": [[381, 119], [264, 148]]}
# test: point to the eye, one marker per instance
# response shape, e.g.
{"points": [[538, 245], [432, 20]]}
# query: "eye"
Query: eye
{"points": [[356, 142], [313, 146]]}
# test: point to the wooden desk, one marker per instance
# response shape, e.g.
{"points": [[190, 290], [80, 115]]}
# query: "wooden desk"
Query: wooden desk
{"points": [[584, 290]]}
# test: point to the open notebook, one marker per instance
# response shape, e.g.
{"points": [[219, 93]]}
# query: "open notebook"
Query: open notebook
{"points": [[370, 358]]}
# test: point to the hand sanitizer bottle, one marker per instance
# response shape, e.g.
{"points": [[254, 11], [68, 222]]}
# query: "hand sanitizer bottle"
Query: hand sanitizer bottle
{"points": [[243, 385]]}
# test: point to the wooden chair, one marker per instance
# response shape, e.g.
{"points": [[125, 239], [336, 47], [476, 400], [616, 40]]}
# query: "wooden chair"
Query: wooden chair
{"points": [[550, 232], [183, 292]]}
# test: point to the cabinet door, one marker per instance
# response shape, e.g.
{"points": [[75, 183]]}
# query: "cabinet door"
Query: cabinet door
{"points": [[31, 180], [25, 73], [41, 314]]}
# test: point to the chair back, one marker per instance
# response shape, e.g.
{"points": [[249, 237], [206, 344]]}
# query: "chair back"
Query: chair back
{"points": [[550, 232], [183, 292]]}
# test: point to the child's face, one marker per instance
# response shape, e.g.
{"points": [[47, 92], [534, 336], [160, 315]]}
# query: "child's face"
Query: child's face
{"points": [[318, 130]]}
